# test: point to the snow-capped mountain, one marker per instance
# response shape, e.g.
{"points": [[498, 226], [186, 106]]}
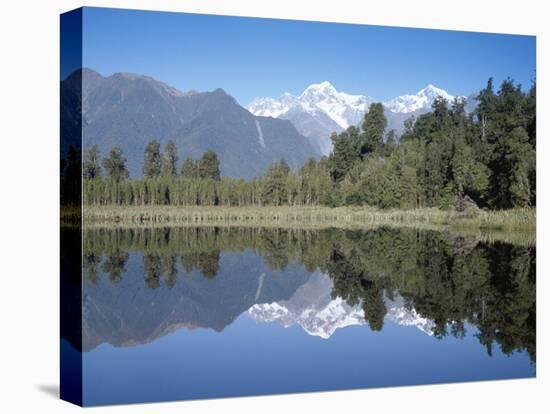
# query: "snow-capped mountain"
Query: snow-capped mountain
{"points": [[344, 109], [317, 112], [406, 104], [321, 110], [269, 106], [313, 308]]}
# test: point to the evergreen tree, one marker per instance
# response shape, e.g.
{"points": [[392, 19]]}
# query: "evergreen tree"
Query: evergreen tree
{"points": [[511, 154], [514, 156], [170, 160], [530, 111], [342, 157], [91, 167], [530, 114], [374, 125], [469, 176], [434, 132], [152, 160], [115, 165], [189, 168], [486, 107], [274, 183], [209, 166], [391, 143], [408, 133]]}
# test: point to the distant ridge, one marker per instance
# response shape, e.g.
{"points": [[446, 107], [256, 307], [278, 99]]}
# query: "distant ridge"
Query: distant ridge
{"points": [[129, 110]]}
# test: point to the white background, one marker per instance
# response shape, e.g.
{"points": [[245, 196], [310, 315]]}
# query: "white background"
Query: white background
{"points": [[29, 145]]}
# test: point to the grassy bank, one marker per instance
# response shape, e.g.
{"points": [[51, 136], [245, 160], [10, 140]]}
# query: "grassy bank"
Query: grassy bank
{"points": [[506, 220]]}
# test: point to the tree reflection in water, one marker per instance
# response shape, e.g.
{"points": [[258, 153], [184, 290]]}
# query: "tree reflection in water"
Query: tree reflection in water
{"points": [[448, 279]]}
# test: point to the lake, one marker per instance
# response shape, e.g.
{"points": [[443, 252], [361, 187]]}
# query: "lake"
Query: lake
{"points": [[201, 312]]}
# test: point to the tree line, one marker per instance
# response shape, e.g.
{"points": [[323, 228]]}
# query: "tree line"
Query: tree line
{"points": [[441, 157], [197, 182], [444, 155]]}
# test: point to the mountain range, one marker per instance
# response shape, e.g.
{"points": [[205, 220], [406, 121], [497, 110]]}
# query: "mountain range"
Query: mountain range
{"points": [[129, 313], [129, 110], [321, 110]]}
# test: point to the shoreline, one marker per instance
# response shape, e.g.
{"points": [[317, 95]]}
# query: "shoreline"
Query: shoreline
{"points": [[516, 219], [506, 225]]}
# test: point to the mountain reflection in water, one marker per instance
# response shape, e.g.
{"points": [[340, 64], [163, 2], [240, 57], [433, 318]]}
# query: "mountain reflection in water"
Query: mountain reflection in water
{"points": [[141, 284]]}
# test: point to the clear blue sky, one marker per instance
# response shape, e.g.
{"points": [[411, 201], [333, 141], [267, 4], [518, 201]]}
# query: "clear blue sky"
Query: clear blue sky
{"points": [[263, 57]]}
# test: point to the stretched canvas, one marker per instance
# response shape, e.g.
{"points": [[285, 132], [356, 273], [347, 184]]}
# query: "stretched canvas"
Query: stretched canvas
{"points": [[259, 206]]}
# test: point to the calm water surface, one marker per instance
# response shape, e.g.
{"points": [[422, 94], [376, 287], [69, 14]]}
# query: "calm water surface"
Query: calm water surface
{"points": [[186, 313]]}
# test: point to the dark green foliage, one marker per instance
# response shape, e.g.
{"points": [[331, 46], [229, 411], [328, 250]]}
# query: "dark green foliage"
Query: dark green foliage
{"points": [[169, 166], [392, 181], [189, 168], [90, 267], [530, 111], [91, 167], [209, 166], [115, 265], [374, 126], [275, 189], [343, 156], [391, 143], [152, 270], [443, 156], [508, 139], [152, 162], [314, 181], [115, 165]]}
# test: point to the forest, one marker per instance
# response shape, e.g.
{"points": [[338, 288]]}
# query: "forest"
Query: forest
{"points": [[443, 156]]}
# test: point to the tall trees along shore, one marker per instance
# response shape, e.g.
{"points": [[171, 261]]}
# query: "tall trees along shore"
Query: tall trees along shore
{"points": [[443, 156]]}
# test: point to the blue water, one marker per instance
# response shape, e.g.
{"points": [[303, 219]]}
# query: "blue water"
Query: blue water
{"points": [[196, 339], [250, 358]]}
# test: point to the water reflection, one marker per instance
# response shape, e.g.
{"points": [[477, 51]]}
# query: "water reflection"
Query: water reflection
{"points": [[143, 283]]}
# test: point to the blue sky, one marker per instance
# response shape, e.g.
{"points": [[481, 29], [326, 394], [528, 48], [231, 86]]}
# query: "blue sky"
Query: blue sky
{"points": [[263, 57]]}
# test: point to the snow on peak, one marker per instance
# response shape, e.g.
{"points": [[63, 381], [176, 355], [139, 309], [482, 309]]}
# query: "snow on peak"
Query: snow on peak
{"points": [[321, 322], [423, 99], [313, 309], [323, 87], [344, 109], [321, 110], [267, 107], [433, 91], [326, 320]]}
